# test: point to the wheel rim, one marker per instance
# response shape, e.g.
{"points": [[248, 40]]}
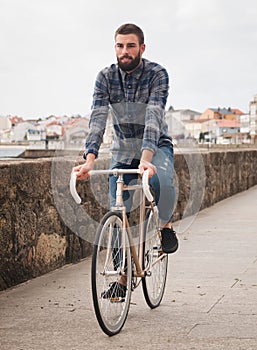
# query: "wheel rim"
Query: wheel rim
{"points": [[111, 314], [154, 284]]}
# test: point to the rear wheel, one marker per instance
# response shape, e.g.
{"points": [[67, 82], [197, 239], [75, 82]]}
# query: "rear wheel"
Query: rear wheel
{"points": [[111, 259], [157, 263]]}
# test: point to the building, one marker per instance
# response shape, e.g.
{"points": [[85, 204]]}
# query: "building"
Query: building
{"points": [[5, 129], [222, 125], [245, 128], [5, 123], [227, 131], [178, 121], [21, 131], [202, 130], [75, 131], [253, 120], [221, 113]]}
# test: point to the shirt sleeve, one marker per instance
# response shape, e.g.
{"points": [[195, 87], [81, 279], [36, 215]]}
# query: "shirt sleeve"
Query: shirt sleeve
{"points": [[155, 110], [98, 117]]}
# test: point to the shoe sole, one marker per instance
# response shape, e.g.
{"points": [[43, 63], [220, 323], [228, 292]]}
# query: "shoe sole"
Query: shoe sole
{"points": [[170, 251]]}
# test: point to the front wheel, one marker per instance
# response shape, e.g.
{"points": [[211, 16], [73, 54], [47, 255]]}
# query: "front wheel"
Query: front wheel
{"points": [[111, 259], [156, 264]]}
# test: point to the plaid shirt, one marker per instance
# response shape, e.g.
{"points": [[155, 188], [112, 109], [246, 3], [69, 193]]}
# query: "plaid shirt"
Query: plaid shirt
{"points": [[136, 102]]}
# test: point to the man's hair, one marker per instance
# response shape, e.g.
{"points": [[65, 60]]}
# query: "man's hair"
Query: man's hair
{"points": [[130, 28]]}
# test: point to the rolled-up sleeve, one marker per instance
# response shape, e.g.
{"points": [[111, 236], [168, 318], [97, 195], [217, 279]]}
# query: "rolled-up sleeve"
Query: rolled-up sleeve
{"points": [[98, 117], [155, 110]]}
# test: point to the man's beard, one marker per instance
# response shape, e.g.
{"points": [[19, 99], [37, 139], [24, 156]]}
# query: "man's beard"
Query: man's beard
{"points": [[129, 66]]}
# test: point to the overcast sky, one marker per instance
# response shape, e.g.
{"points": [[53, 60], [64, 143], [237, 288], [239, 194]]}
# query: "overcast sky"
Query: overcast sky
{"points": [[51, 51]]}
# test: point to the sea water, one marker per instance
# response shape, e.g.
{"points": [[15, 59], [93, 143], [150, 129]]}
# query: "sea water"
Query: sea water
{"points": [[10, 152]]}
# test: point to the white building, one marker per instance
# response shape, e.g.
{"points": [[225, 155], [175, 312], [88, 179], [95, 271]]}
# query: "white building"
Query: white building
{"points": [[75, 131], [36, 134], [253, 119], [5, 123], [181, 122], [201, 126], [20, 131]]}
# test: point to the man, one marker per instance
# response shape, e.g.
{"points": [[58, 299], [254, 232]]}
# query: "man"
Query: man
{"points": [[135, 91]]}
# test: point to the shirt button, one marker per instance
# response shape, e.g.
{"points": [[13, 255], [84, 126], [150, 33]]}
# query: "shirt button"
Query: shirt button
{"points": [[129, 86]]}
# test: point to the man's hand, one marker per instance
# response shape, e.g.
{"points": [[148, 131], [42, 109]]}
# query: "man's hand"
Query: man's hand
{"points": [[145, 163], [82, 170]]}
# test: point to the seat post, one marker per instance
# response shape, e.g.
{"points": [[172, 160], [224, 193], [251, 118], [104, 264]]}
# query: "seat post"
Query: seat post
{"points": [[119, 191]]}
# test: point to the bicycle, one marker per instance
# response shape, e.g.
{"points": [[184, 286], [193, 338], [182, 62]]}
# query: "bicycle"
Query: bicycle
{"points": [[117, 254]]}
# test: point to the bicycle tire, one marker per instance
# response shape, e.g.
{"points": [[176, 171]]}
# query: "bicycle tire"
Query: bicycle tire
{"points": [[154, 283], [111, 314]]}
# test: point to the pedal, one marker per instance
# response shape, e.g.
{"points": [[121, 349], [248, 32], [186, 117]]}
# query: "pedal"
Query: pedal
{"points": [[117, 300], [156, 251]]}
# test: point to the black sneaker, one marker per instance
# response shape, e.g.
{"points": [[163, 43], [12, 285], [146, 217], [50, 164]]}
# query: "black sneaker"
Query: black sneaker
{"points": [[169, 240], [115, 291]]}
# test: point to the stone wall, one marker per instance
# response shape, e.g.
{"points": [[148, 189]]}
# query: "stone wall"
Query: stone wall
{"points": [[42, 228]]}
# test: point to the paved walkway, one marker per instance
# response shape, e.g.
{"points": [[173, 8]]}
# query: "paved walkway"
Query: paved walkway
{"points": [[210, 300]]}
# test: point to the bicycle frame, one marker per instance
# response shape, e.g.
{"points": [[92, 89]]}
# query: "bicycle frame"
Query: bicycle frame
{"points": [[119, 257], [119, 207]]}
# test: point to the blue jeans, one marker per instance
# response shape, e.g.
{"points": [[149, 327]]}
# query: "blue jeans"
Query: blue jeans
{"points": [[161, 182]]}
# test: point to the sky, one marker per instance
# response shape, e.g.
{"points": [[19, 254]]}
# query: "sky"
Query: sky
{"points": [[52, 50]]}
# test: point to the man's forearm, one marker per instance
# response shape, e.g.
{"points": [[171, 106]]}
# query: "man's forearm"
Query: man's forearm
{"points": [[90, 157], [147, 156]]}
